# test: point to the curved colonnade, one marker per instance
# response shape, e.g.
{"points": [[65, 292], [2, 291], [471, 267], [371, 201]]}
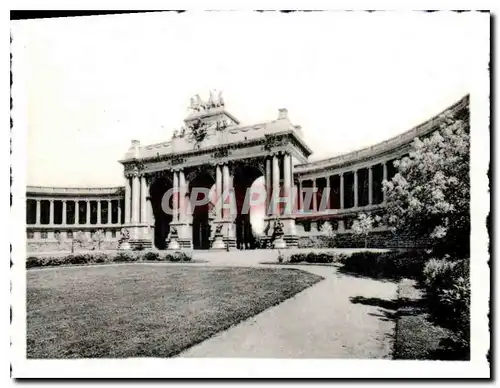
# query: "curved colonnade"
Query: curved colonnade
{"points": [[342, 187]]}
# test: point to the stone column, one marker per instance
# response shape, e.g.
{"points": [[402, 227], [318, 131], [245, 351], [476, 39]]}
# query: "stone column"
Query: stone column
{"points": [[136, 197], [87, 216], [128, 200], [226, 192], [110, 211], [287, 182], [77, 212], [315, 196], [98, 212], [144, 202], [119, 213], [269, 189], [328, 193], [64, 217], [218, 191], [370, 185], [38, 212], [182, 196], [356, 188], [341, 190], [276, 186], [175, 201], [384, 178], [299, 197], [51, 212]]}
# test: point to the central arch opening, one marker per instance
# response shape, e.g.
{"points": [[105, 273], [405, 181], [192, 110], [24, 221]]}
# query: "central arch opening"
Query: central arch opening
{"points": [[202, 213], [249, 190]]}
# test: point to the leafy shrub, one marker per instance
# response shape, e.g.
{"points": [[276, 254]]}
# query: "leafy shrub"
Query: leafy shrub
{"points": [[124, 257], [298, 258], [32, 262], [78, 259], [178, 256], [438, 274], [49, 261], [320, 258], [101, 258], [184, 256], [319, 241], [389, 265], [448, 295], [315, 258], [170, 257], [151, 256]]}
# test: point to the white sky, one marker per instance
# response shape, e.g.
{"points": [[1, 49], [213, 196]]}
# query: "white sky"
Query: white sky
{"points": [[350, 79]]}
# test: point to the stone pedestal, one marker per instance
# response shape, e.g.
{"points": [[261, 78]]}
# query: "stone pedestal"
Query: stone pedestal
{"points": [[218, 243], [279, 243], [227, 234], [124, 246], [289, 237], [173, 244], [184, 234], [140, 235]]}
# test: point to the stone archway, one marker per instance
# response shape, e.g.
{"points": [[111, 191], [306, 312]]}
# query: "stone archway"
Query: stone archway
{"points": [[162, 219], [201, 221], [245, 174]]}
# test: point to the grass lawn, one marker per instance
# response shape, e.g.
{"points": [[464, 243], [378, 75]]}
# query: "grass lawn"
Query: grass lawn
{"points": [[145, 310], [417, 337]]}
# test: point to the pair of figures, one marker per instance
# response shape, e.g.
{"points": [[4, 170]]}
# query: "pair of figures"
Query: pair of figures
{"points": [[197, 104]]}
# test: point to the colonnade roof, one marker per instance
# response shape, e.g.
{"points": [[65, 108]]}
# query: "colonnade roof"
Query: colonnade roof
{"points": [[386, 146], [74, 191]]}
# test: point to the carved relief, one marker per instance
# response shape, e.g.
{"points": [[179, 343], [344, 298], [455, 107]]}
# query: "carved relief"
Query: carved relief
{"points": [[133, 169], [177, 160], [221, 153], [273, 141]]}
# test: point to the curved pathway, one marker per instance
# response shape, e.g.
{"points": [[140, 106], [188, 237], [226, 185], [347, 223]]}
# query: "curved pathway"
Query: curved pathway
{"points": [[339, 317]]}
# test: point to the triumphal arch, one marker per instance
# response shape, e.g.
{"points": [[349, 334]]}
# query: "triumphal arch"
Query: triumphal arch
{"points": [[212, 151]]}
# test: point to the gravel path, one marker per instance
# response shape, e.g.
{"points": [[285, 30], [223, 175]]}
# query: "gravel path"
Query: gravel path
{"points": [[340, 317]]}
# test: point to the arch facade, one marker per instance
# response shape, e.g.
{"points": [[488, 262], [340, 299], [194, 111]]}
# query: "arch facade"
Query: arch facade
{"points": [[213, 144]]}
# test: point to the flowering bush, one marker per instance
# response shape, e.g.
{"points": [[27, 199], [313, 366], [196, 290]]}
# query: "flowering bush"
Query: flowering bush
{"points": [[438, 274], [363, 225], [429, 196]]}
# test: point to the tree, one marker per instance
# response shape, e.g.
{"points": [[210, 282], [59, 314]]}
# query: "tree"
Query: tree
{"points": [[58, 237], [429, 195], [79, 238], [329, 233], [98, 238], [364, 225]]}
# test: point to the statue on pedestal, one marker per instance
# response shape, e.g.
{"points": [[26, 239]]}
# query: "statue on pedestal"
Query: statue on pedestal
{"points": [[218, 230], [278, 241], [218, 238], [174, 235]]}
